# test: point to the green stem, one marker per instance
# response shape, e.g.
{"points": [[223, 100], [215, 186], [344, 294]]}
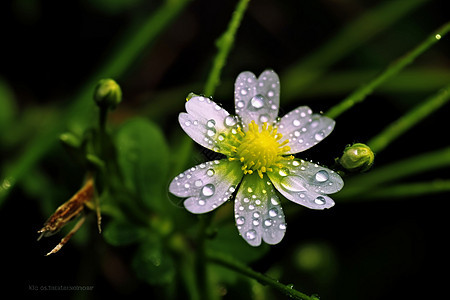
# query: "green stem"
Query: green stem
{"points": [[409, 190], [201, 266], [360, 94], [224, 44], [356, 33], [414, 165], [236, 266], [406, 122], [128, 50]]}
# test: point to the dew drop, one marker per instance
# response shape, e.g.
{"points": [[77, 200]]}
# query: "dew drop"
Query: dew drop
{"points": [[283, 172], [211, 132], [211, 123], [208, 190], [293, 183], [210, 172], [282, 226], [232, 189], [268, 222], [221, 137], [270, 93], [243, 92], [250, 190], [240, 104], [273, 212], [187, 123], [195, 122], [240, 221], [264, 118], [320, 200], [256, 215], [296, 123], [255, 222], [319, 136], [250, 235], [322, 176], [186, 185], [295, 163], [201, 202], [257, 101], [230, 120], [274, 201], [198, 183]]}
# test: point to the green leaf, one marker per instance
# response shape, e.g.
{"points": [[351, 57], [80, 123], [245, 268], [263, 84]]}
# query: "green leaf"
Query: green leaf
{"points": [[120, 233], [153, 263], [143, 158]]}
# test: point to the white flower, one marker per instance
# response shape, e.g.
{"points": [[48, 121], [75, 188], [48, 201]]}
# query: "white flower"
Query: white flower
{"points": [[259, 150]]}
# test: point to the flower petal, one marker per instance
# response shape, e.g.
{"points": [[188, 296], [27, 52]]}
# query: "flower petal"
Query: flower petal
{"points": [[258, 212], [207, 185], [205, 121], [304, 129], [306, 183], [257, 99]]}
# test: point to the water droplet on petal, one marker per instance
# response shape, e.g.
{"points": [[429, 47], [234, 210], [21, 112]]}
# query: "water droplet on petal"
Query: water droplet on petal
{"points": [[211, 123], [295, 163], [268, 222], [282, 226], [264, 118], [210, 172], [293, 183], [273, 212], [240, 221], [255, 222], [296, 123], [270, 93], [201, 202], [208, 190], [198, 183], [240, 104], [211, 132], [319, 136], [256, 215], [250, 235], [283, 172], [187, 123], [320, 200], [243, 92], [230, 120], [257, 101], [322, 176], [274, 201]]}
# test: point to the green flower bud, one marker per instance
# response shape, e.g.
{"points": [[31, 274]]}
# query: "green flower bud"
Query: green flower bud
{"points": [[357, 158], [107, 93]]}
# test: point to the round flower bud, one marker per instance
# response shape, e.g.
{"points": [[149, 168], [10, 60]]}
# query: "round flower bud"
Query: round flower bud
{"points": [[357, 158], [107, 93]]}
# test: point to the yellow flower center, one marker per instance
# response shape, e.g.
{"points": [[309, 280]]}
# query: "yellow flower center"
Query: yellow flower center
{"points": [[258, 150]]}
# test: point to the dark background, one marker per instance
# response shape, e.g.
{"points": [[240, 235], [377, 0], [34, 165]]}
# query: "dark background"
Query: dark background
{"points": [[379, 249]]}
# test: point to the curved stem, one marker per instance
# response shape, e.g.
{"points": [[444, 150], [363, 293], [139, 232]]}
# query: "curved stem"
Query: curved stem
{"points": [[360, 94], [224, 44], [407, 121], [236, 266]]}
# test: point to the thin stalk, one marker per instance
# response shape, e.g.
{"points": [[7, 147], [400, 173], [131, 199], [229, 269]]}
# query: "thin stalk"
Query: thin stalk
{"points": [[408, 190], [385, 175], [224, 45], [238, 267], [410, 119], [356, 33], [361, 93]]}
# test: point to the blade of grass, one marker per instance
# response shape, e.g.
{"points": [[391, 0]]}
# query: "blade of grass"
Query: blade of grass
{"points": [[361, 93], [224, 45], [410, 119], [82, 106], [349, 38]]}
